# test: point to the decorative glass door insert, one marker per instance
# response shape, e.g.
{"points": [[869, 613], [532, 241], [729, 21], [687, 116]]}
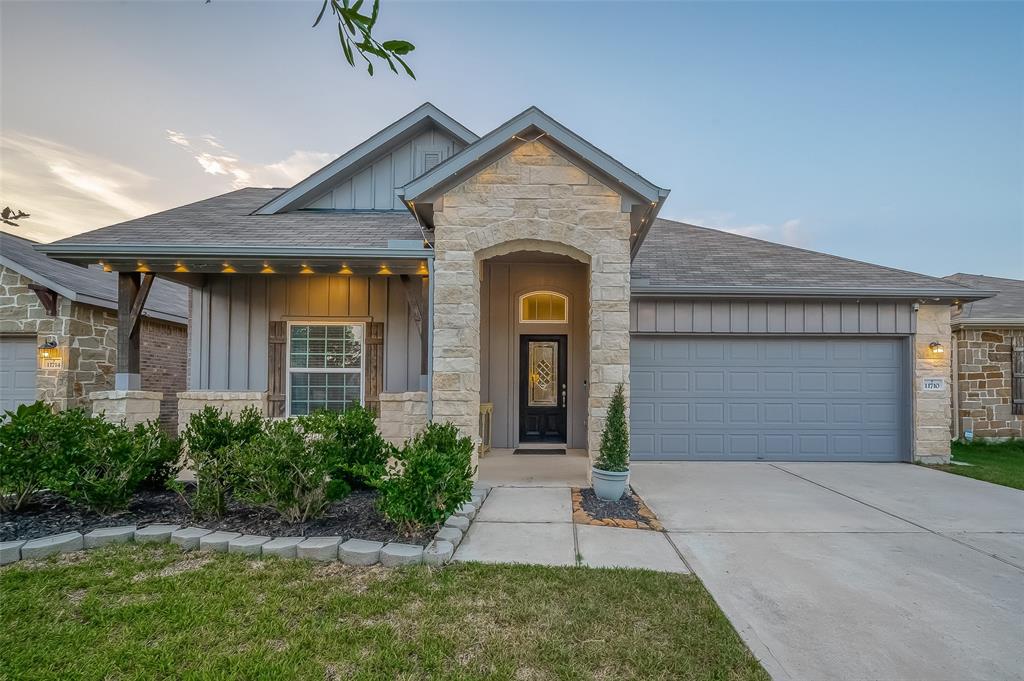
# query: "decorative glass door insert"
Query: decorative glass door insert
{"points": [[543, 357]]}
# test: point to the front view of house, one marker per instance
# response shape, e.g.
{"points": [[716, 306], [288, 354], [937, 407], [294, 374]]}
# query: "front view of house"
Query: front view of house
{"points": [[509, 282]]}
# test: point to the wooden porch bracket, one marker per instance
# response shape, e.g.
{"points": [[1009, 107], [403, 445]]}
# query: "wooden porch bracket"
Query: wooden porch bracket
{"points": [[415, 298], [48, 297]]}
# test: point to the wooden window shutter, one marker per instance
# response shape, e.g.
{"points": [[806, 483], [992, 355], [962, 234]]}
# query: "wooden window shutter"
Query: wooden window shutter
{"points": [[374, 365], [277, 363], [1017, 378]]}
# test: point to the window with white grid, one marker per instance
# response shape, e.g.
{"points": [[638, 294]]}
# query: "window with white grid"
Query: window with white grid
{"points": [[325, 366]]}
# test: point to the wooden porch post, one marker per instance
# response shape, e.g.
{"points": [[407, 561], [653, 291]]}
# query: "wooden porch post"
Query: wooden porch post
{"points": [[132, 291]]}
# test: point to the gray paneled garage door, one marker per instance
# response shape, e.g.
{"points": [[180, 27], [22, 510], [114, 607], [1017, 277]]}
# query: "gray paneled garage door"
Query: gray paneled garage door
{"points": [[17, 371], [767, 398]]}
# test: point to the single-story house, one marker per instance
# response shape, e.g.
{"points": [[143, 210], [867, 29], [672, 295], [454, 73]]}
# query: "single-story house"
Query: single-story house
{"points": [[988, 360], [435, 274], [59, 326]]}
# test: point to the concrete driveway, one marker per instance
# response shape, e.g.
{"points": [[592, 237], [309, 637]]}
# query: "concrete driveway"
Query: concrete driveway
{"points": [[854, 571]]}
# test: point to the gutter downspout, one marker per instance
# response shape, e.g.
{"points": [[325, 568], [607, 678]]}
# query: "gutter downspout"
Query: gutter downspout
{"points": [[430, 340], [956, 386]]}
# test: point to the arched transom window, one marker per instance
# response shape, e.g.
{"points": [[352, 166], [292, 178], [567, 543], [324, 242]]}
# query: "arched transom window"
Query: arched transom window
{"points": [[543, 306]]}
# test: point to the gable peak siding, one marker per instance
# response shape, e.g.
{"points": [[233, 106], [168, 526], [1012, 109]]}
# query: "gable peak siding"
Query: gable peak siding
{"points": [[372, 186]]}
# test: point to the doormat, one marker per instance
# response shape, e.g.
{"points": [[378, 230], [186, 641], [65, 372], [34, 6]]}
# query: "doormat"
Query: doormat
{"points": [[630, 511], [534, 452]]}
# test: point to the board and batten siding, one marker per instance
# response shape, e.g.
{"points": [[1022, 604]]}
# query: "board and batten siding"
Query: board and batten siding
{"points": [[231, 315], [770, 317], [373, 187]]}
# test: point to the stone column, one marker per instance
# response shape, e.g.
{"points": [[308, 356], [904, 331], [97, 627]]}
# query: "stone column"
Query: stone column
{"points": [[129, 407], [402, 415], [932, 410]]}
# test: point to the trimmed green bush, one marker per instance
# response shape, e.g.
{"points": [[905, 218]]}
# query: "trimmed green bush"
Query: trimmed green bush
{"points": [[288, 469], [33, 441], [361, 454], [208, 440], [110, 462], [614, 453], [432, 477]]}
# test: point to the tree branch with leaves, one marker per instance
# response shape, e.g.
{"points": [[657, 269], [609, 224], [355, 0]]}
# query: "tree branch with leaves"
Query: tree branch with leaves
{"points": [[355, 31]]}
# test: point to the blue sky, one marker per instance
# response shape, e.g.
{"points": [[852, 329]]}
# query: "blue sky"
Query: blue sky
{"points": [[886, 132]]}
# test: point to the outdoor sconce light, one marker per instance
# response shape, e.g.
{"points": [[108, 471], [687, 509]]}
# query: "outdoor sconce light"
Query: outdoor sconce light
{"points": [[48, 349], [267, 269], [228, 269], [306, 269], [936, 348], [346, 270], [180, 267], [384, 271], [142, 267], [423, 271]]}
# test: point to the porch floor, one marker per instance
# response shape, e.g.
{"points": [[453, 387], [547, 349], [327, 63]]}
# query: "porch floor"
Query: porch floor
{"points": [[500, 468]]}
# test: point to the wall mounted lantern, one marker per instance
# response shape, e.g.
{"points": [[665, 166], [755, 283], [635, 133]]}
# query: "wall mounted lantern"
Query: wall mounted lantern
{"points": [[936, 348]]}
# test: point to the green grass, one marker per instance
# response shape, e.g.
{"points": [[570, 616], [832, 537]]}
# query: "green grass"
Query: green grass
{"points": [[151, 612], [1001, 463]]}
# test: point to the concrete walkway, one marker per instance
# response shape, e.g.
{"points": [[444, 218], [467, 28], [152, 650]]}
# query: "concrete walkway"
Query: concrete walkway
{"points": [[535, 525], [854, 571]]}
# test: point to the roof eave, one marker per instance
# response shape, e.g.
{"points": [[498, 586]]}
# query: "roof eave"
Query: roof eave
{"points": [[932, 295], [78, 253], [988, 322]]}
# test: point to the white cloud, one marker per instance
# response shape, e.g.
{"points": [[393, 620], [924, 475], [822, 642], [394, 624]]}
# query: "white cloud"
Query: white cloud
{"points": [[789, 232], [66, 190], [219, 161]]}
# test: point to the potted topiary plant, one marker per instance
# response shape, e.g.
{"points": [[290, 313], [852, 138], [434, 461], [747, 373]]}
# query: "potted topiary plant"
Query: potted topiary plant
{"points": [[610, 472]]}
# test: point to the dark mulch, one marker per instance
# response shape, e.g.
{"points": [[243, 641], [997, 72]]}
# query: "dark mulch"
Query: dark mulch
{"points": [[630, 511], [626, 508], [354, 517]]}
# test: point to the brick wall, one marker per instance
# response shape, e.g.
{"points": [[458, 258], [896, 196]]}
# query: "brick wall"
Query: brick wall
{"points": [[984, 382], [164, 365]]}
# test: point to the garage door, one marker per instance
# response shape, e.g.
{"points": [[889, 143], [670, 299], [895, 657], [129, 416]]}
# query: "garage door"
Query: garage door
{"points": [[17, 371], [742, 399]]}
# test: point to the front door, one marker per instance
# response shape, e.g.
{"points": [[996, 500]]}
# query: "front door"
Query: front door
{"points": [[542, 389]]}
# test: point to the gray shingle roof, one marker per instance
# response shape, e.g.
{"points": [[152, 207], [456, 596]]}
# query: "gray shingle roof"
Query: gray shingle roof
{"points": [[226, 220], [1007, 304], [677, 254], [88, 285]]}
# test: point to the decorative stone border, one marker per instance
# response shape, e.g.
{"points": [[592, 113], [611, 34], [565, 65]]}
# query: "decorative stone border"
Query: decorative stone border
{"points": [[357, 552]]}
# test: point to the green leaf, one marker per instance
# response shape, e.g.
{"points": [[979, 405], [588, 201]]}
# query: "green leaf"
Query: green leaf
{"points": [[376, 11], [345, 47], [399, 47], [321, 15], [406, 67]]}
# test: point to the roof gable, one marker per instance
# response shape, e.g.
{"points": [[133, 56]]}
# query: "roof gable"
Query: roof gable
{"points": [[1006, 305], [425, 118]]}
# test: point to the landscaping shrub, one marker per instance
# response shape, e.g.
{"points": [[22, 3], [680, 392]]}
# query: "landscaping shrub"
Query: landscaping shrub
{"points": [[613, 455], [166, 460], [288, 468], [208, 440], [433, 477], [360, 451], [109, 463], [32, 446]]}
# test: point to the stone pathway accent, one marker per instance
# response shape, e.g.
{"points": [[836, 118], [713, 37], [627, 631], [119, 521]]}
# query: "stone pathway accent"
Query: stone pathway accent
{"points": [[360, 552], [109, 535], [158, 533], [536, 525], [47, 546], [217, 541], [394, 555], [188, 537], [643, 519], [249, 544], [283, 547]]}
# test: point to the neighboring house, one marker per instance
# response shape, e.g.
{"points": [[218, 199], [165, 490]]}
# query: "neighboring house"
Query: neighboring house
{"points": [[988, 364], [58, 331], [429, 272]]}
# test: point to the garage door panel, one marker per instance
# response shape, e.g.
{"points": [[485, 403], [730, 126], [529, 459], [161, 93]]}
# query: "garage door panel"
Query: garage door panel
{"points": [[768, 398], [17, 371]]}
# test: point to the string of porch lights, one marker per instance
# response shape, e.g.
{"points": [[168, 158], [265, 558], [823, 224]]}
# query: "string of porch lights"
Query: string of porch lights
{"points": [[228, 268]]}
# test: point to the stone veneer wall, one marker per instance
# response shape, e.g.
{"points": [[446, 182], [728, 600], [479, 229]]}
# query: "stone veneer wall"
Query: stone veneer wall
{"points": [[932, 410], [228, 401], [130, 407], [984, 382], [402, 415], [532, 199], [87, 339]]}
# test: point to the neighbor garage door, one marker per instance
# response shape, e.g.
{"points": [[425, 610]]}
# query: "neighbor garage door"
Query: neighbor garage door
{"points": [[17, 371], [781, 399]]}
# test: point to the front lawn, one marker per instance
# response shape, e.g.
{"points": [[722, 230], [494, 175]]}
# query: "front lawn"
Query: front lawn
{"points": [[153, 612], [1001, 463]]}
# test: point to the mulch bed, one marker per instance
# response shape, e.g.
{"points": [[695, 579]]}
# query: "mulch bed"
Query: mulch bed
{"points": [[354, 517], [630, 511]]}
